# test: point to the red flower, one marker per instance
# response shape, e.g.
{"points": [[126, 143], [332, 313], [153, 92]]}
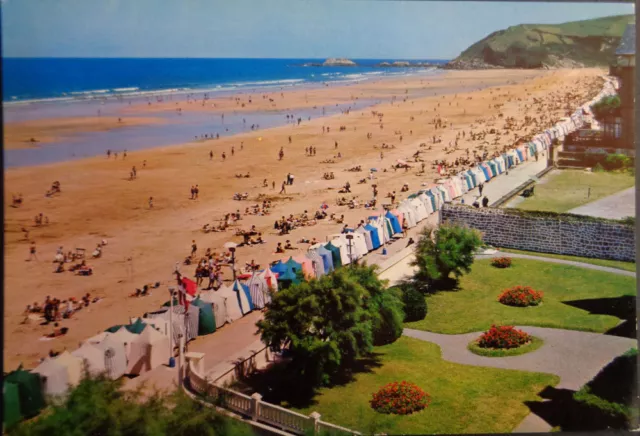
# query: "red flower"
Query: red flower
{"points": [[501, 262], [400, 398], [520, 296], [503, 337]]}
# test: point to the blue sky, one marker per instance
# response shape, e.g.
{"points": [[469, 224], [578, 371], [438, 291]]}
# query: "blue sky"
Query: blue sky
{"points": [[268, 28]]}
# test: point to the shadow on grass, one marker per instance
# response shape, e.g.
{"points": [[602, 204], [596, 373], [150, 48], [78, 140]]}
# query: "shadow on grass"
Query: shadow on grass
{"points": [[622, 307], [606, 402], [277, 385], [449, 284]]}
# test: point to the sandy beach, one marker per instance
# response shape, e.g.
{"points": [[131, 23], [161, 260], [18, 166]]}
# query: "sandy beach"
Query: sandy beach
{"points": [[99, 202]]}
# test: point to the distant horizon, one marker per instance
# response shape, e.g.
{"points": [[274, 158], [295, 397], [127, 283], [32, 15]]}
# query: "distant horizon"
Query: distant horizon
{"points": [[225, 57], [278, 29]]}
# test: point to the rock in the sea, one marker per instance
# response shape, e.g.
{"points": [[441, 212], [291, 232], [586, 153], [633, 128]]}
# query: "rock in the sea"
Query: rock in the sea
{"points": [[338, 62], [400, 64]]}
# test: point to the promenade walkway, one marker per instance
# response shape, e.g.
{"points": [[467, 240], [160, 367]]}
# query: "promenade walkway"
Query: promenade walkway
{"points": [[616, 206]]}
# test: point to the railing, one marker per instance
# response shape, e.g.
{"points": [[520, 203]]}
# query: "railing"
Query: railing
{"points": [[258, 411], [283, 418], [334, 429], [233, 400]]}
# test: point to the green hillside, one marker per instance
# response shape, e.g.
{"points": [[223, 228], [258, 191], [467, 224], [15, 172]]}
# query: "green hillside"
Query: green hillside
{"points": [[574, 44]]}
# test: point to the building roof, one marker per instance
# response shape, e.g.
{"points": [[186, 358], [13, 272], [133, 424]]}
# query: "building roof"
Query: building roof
{"points": [[628, 42]]}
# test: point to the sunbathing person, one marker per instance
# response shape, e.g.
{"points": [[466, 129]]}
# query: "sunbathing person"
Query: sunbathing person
{"points": [[279, 248], [288, 245]]}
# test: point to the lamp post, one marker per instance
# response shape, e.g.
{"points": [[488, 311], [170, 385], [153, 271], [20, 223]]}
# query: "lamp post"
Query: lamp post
{"points": [[171, 294], [233, 262], [349, 237]]}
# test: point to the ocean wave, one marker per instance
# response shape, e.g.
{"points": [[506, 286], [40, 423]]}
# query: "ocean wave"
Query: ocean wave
{"points": [[269, 82], [94, 91], [134, 88]]}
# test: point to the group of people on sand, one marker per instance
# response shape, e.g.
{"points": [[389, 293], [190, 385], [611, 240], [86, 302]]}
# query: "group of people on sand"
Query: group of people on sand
{"points": [[285, 225], [259, 210], [287, 246], [115, 154], [195, 190], [81, 268], [55, 310]]}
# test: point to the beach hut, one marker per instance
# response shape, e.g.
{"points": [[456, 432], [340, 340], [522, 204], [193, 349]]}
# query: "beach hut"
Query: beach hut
{"points": [[219, 306], [74, 366], [327, 258], [367, 237], [206, 319], [231, 302], [279, 267], [115, 357], [373, 234], [29, 391], [191, 319], [271, 278], [336, 257], [259, 290], [126, 337], [148, 351], [340, 242], [54, 377], [11, 404], [293, 266], [244, 296], [136, 327], [93, 357], [307, 265], [395, 224], [316, 262]]}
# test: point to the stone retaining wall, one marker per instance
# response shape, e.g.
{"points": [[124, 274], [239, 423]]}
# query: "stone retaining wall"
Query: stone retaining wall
{"points": [[547, 232]]}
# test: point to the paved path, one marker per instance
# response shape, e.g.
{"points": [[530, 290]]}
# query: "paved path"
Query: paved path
{"points": [[576, 357], [560, 261], [503, 184], [616, 206]]}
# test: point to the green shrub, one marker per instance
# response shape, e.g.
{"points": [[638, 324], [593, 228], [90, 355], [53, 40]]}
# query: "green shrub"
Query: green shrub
{"points": [[606, 106], [415, 305], [618, 161], [99, 406], [442, 252]]}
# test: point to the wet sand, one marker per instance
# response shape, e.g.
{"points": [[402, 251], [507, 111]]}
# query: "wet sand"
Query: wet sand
{"points": [[98, 202], [34, 133]]}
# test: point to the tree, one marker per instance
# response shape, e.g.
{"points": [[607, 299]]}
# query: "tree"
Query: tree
{"points": [[99, 406], [444, 251], [415, 305], [323, 323], [384, 305]]}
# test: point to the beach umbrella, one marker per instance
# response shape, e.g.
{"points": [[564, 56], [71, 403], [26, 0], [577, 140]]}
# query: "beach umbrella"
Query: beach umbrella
{"points": [[230, 245]]}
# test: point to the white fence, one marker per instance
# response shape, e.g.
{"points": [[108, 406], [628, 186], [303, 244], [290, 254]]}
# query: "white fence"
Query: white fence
{"points": [[257, 410]]}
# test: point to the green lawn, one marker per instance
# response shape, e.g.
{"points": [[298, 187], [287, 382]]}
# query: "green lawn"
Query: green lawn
{"points": [[464, 399], [568, 189], [627, 266], [474, 307]]}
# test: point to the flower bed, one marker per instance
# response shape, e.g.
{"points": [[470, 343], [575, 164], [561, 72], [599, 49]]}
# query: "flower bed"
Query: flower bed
{"points": [[501, 262], [521, 296], [503, 337], [401, 398]]}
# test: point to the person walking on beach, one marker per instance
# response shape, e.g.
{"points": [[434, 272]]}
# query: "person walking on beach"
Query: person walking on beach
{"points": [[480, 188], [336, 145], [194, 248], [289, 139], [124, 156], [150, 202], [193, 192], [108, 154], [135, 173], [224, 156], [233, 150], [288, 178], [211, 155], [32, 252], [196, 191], [381, 155], [273, 185], [283, 190], [281, 153], [291, 176]]}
